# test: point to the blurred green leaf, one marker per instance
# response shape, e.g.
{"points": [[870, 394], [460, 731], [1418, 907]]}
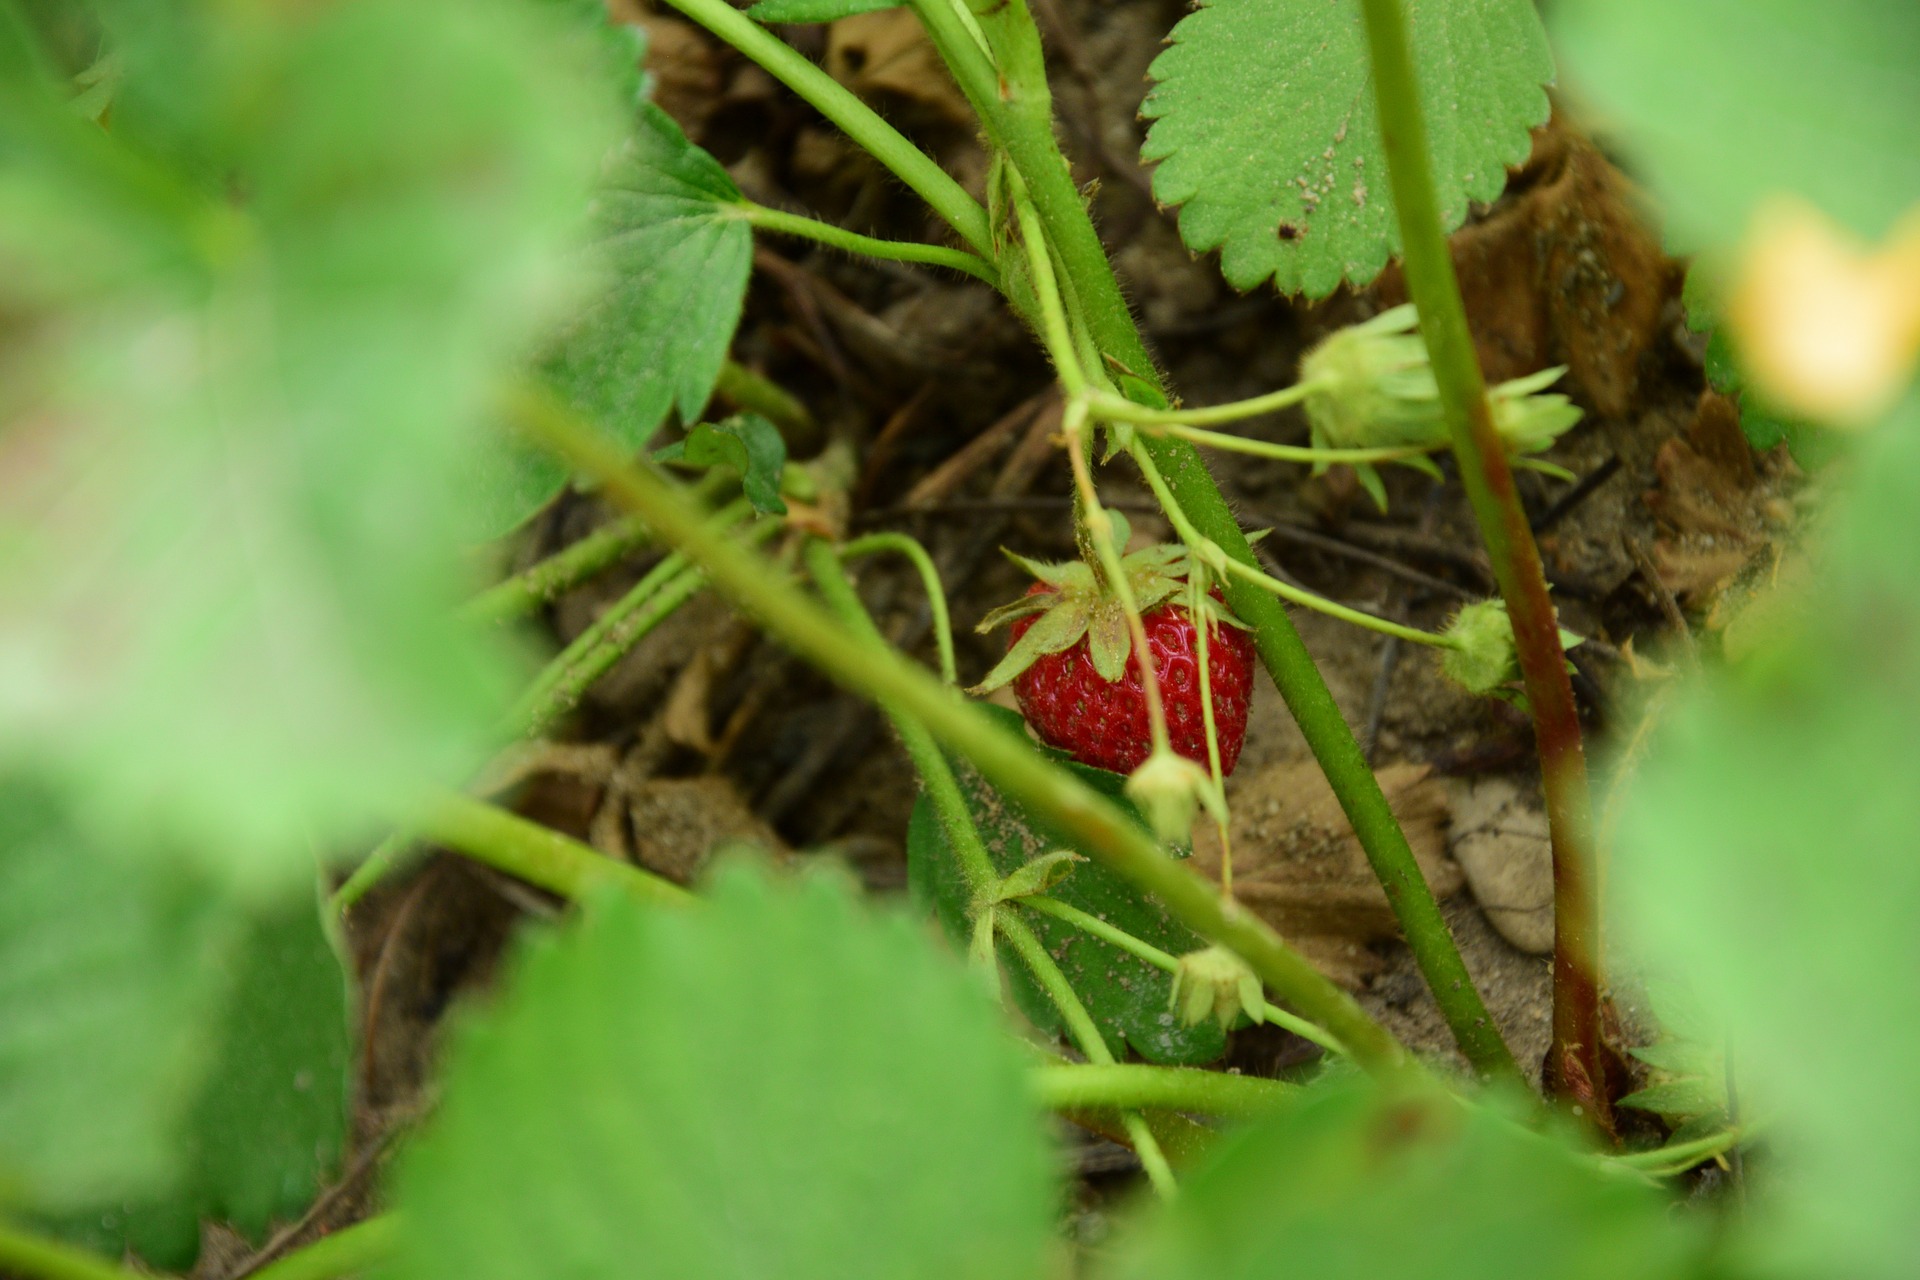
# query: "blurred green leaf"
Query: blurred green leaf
{"points": [[269, 1120], [111, 973], [748, 444], [771, 11], [1349, 1184], [777, 1082], [1727, 101], [1130, 1000], [674, 257], [262, 323], [1765, 849], [1265, 128]]}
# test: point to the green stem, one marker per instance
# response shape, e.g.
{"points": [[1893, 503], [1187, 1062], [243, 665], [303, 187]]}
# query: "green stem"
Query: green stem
{"points": [[910, 547], [36, 1255], [1576, 1067], [385, 856], [1095, 824], [1135, 1085], [629, 620], [1141, 949], [1016, 116], [1678, 1158], [559, 573], [1127, 411], [936, 775], [853, 242], [1283, 452], [857, 120], [528, 851], [1080, 1025], [360, 1247]]}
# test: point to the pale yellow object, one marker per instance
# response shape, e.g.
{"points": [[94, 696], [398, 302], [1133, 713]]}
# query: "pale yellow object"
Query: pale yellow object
{"points": [[1828, 328]]}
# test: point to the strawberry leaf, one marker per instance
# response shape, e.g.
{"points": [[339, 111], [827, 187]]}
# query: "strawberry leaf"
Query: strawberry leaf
{"points": [[748, 444], [780, 1081], [675, 258], [1129, 998], [1268, 138]]}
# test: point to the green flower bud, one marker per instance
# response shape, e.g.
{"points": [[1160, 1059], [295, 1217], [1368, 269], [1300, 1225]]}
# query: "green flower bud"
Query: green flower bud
{"points": [[1216, 982], [1373, 387], [1483, 655], [1169, 788]]}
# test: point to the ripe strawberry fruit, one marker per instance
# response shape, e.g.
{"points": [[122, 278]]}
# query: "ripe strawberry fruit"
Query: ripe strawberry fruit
{"points": [[1070, 664]]}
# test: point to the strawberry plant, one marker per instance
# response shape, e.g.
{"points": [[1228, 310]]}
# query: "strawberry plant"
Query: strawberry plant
{"points": [[316, 314]]}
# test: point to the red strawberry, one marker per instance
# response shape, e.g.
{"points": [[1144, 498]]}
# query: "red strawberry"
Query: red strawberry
{"points": [[1104, 723]]}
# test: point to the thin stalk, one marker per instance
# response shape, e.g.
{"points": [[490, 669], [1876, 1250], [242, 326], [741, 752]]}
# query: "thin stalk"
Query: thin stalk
{"points": [[1090, 821], [35, 1255], [1014, 107], [857, 120], [1281, 452], [1197, 588], [936, 775], [385, 856], [1266, 581], [762, 395], [528, 851], [560, 685], [1125, 410], [1678, 1158], [559, 573], [1141, 949], [1576, 1065], [853, 242], [929, 573], [1134, 1085], [347, 1251], [1080, 1025]]}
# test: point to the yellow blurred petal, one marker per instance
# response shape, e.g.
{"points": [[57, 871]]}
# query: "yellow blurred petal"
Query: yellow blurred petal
{"points": [[1828, 329]]}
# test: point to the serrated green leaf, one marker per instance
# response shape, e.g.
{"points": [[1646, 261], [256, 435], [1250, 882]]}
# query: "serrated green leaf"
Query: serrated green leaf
{"points": [[270, 1114], [1349, 1184], [111, 971], [778, 1082], [1725, 102], [1679, 1057], [1127, 997], [237, 455], [1764, 849], [815, 10], [747, 443], [675, 257], [1265, 128]]}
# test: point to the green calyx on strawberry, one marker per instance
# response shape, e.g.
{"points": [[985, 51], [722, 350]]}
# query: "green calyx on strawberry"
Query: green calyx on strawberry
{"points": [[1071, 664]]}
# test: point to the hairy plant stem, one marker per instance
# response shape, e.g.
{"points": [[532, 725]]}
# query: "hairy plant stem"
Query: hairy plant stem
{"points": [[1089, 820], [1144, 950], [1576, 1065], [963, 837], [1015, 108], [857, 120], [559, 573], [1133, 1085], [560, 685], [528, 851], [1081, 1027], [792, 224], [916, 555]]}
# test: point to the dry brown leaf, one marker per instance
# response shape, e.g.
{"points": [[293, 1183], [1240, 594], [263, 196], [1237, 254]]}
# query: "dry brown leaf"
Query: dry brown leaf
{"points": [[1716, 507], [1298, 866], [678, 822], [888, 54], [1500, 841], [687, 716]]}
